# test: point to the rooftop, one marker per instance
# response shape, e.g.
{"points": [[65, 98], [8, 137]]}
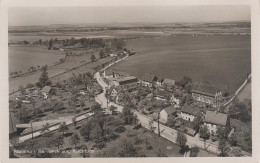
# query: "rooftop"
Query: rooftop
{"points": [[46, 89], [190, 110], [149, 78], [162, 93], [125, 78], [169, 82], [216, 118], [170, 110], [206, 89]]}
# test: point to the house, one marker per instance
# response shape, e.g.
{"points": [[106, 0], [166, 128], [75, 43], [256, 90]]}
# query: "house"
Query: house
{"points": [[125, 80], [206, 93], [168, 83], [113, 92], [190, 131], [149, 80], [113, 55], [213, 120], [45, 91], [159, 81], [166, 112], [81, 87], [175, 101], [162, 95], [189, 112]]}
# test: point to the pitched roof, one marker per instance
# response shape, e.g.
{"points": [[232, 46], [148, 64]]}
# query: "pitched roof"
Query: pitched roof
{"points": [[162, 93], [216, 118], [170, 110], [81, 87], [190, 131], [149, 78], [126, 78], [169, 82], [190, 110], [206, 89], [46, 89]]}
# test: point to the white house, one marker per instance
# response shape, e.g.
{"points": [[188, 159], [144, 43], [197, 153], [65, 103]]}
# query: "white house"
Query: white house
{"points": [[175, 102], [166, 112], [189, 112], [213, 120], [45, 91]]}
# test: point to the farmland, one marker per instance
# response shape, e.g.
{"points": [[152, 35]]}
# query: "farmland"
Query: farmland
{"points": [[218, 59], [22, 58]]}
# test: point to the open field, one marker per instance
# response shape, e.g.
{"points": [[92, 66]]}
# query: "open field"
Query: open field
{"points": [[218, 59], [35, 36], [23, 57]]}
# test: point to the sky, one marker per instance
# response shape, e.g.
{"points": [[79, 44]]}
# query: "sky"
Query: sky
{"points": [[23, 16]]}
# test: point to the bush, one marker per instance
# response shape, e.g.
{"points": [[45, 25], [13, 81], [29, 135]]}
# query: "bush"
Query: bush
{"points": [[120, 129]]}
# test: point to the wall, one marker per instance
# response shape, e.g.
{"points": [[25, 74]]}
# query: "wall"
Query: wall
{"points": [[187, 117]]}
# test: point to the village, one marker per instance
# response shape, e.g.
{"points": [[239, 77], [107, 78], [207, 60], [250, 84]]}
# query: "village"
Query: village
{"points": [[190, 114]]}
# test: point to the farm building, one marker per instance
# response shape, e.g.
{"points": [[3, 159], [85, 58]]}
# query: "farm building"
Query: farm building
{"points": [[168, 83], [149, 79], [189, 112], [166, 112], [213, 120], [206, 93], [124, 80]]}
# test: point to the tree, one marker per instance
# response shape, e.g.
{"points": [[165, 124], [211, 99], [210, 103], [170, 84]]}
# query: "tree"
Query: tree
{"points": [[235, 152], [86, 129], [22, 90], [75, 139], [223, 147], [44, 78], [181, 139], [45, 128], [197, 122], [151, 125], [127, 115], [63, 127], [101, 54], [184, 81], [74, 121], [50, 44], [93, 58], [204, 134], [58, 141]]}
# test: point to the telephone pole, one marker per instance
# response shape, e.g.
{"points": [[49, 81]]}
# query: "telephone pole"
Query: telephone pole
{"points": [[159, 134], [32, 130]]}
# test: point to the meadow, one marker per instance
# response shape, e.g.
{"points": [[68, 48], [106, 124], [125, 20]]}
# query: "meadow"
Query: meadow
{"points": [[218, 59], [22, 58]]}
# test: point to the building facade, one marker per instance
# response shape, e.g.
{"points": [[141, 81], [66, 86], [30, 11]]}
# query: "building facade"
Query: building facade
{"points": [[207, 94]]}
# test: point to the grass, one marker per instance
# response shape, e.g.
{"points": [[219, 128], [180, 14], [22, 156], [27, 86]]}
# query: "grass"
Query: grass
{"points": [[219, 59], [245, 93]]}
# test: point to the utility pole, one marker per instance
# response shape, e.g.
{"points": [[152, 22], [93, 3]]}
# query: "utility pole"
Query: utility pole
{"points": [[159, 134], [32, 130]]}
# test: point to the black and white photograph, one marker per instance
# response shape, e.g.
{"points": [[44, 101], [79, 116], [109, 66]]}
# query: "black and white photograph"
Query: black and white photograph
{"points": [[113, 81]]}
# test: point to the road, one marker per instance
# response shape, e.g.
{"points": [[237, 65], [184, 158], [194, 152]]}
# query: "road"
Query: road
{"points": [[53, 127]]}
